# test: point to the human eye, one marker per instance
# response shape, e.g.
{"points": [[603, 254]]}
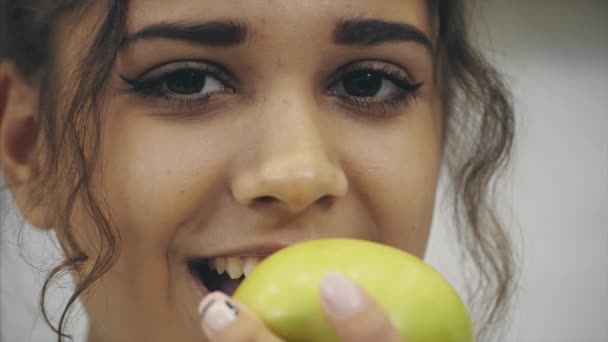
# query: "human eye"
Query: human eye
{"points": [[373, 87], [182, 84]]}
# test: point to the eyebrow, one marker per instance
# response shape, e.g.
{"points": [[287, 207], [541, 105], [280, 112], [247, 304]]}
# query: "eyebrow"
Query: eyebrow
{"points": [[363, 31], [220, 33], [229, 32]]}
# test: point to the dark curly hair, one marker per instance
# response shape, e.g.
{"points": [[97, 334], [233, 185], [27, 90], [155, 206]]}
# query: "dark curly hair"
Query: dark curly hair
{"points": [[479, 130]]}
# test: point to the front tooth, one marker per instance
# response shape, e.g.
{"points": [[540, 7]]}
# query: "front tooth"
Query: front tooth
{"points": [[250, 264], [211, 263], [234, 267], [220, 265]]}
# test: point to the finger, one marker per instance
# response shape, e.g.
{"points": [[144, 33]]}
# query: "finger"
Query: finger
{"points": [[353, 314], [225, 319]]}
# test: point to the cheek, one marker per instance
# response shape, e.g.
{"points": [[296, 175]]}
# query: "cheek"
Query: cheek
{"points": [[397, 176], [155, 172]]}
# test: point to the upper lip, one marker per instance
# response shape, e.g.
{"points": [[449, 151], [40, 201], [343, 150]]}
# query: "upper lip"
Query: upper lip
{"points": [[261, 249]]}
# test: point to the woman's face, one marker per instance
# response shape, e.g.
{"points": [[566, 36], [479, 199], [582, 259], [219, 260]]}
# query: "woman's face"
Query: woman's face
{"points": [[232, 128]]}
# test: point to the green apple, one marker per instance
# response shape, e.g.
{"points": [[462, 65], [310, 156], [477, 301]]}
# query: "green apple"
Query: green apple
{"points": [[284, 291]]}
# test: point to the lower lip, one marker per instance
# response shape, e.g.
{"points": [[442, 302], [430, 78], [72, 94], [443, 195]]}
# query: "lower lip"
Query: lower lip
{"points": [[198, 285]]}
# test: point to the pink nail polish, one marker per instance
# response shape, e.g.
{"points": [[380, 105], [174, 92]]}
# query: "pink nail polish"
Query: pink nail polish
{"points": [[342, 297]]}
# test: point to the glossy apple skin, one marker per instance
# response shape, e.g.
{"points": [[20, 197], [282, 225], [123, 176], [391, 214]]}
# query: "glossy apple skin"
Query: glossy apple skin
{"points": [[284, 291]]}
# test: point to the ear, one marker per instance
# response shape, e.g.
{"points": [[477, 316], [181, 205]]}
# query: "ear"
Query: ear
{"points": [[19, 137]]}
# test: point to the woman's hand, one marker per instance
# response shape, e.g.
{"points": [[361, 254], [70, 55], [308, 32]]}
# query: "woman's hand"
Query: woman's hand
{"points": [[352, 313]]}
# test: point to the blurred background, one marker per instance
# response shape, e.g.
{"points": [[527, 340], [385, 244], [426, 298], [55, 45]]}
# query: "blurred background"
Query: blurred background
{"points": [[554, 54]]}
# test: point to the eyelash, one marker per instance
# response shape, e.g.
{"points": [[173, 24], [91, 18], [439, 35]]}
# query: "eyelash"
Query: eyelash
{"points": [[408, 90], [153, 88]]}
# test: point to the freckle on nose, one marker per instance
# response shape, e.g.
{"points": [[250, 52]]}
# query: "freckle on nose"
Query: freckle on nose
{"points": [[278, 62]]}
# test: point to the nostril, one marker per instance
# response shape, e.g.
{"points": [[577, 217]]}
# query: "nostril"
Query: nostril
{"points": [[325, 201], [265, 199]]}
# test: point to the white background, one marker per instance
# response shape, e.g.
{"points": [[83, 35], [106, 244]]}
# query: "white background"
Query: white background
{"points": [[555, 55]]}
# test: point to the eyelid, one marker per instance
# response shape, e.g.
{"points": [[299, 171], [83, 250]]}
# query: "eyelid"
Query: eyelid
{"points": [[163, 69], [373, 64], [150, 86], [409, 88]]}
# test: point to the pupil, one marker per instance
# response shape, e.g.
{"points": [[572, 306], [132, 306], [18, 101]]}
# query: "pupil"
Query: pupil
{"points": [[363, 83], [186, 82]]}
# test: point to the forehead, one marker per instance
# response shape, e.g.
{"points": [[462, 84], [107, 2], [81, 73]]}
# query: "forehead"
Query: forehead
{"points": [[269, 15]]}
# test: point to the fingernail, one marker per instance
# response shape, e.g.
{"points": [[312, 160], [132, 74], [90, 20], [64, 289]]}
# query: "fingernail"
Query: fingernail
{"points": [[342, 296], [217, 312]]}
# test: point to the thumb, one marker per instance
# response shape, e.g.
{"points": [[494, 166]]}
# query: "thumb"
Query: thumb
{"points": [[353, 314]]}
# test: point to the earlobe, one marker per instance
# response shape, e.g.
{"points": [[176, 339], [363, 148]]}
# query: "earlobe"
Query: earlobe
{"points": [[19, 158]]}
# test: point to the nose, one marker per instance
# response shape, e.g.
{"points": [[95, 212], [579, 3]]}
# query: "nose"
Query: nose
{"points": [[293, 165], [296, 180]]}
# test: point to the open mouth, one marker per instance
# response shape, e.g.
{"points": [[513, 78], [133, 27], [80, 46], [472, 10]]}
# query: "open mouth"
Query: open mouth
{"points": [[220, 273]]}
